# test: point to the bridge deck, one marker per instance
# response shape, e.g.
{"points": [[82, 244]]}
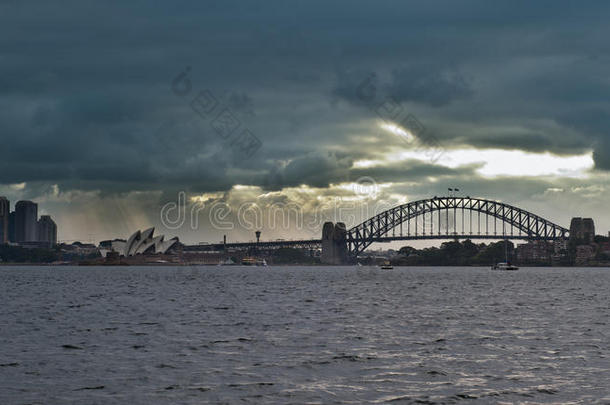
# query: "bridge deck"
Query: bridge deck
{"points": [[386, 239]]}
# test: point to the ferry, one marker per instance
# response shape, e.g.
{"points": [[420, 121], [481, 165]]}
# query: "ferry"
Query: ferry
{"points": [[252, 261], [386, 266], [248, 261]]}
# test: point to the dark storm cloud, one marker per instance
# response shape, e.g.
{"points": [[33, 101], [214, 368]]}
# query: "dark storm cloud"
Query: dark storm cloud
{"points": [[425, 84], [410, 171], [87, 103]]}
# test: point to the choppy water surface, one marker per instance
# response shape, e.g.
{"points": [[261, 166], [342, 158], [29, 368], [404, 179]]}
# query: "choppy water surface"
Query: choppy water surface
{"points": [[303, 335]]}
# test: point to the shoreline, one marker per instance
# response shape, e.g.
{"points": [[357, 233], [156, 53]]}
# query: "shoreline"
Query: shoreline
{"points": [[271, 265]]}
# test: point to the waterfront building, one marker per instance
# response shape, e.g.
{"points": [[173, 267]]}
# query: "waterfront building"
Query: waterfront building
{"points": [[5, 212], [604, 248], [584, 254], [560, 246], [78, 249], [26, 221], [47, 230], [139, 243], [536, 251]]}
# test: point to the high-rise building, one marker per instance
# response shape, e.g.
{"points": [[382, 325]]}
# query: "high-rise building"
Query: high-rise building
{"points": [[5, 212], [11, 227], [26, 221], [47, 230]]}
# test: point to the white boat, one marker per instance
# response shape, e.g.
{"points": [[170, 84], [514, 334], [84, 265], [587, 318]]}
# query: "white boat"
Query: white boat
{"points": [[227, 262], [504, 266]]}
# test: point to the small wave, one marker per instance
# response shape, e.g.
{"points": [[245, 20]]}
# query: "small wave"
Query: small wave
{"points": [[402, 398], [260, 384], [350, 357], [200, 389], [72, 347], [464, 396], [546, 390], [163, 365], [99, 387]]}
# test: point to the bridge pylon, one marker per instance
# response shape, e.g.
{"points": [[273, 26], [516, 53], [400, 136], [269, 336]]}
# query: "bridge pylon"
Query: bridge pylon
{"points": [[334, 243]]}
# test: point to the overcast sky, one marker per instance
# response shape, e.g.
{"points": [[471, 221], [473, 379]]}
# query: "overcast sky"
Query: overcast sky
{"points": [[299, 102]]}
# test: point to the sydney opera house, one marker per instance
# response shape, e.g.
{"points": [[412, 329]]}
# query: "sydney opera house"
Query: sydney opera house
{"points": [[141, 242]]}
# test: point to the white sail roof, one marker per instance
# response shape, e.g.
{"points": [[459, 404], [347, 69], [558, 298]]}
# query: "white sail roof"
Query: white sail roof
{"points": [[143, 242]]}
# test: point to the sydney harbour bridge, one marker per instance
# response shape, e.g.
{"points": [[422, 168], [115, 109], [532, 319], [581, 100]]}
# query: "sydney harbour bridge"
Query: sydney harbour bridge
{"points": [[434, 218]]}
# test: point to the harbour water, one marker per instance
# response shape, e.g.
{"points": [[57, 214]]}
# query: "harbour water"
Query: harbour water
{"points": [[183, 335]]}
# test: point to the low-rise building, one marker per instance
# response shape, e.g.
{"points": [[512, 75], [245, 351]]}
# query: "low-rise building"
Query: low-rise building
{"points": [[584, 254], [604, 248], [560, 246], [536, 251]]}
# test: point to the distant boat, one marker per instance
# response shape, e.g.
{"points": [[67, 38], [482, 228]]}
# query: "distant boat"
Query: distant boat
{"points": [[386, 266], [227, 262], [504, 266], [252, 261]]}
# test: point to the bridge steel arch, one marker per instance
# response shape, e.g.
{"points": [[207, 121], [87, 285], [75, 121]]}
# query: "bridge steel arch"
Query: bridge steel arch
{"points": [[533, 226]]}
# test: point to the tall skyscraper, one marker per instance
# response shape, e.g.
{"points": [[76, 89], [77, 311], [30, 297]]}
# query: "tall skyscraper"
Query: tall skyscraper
{"points": [[47, 230], [5, 212], [26, 221], [11, 227]]}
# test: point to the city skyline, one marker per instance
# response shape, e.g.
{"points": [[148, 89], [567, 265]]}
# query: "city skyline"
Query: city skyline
{"points": [[22, 226], [304, 201], [273, 109]]}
